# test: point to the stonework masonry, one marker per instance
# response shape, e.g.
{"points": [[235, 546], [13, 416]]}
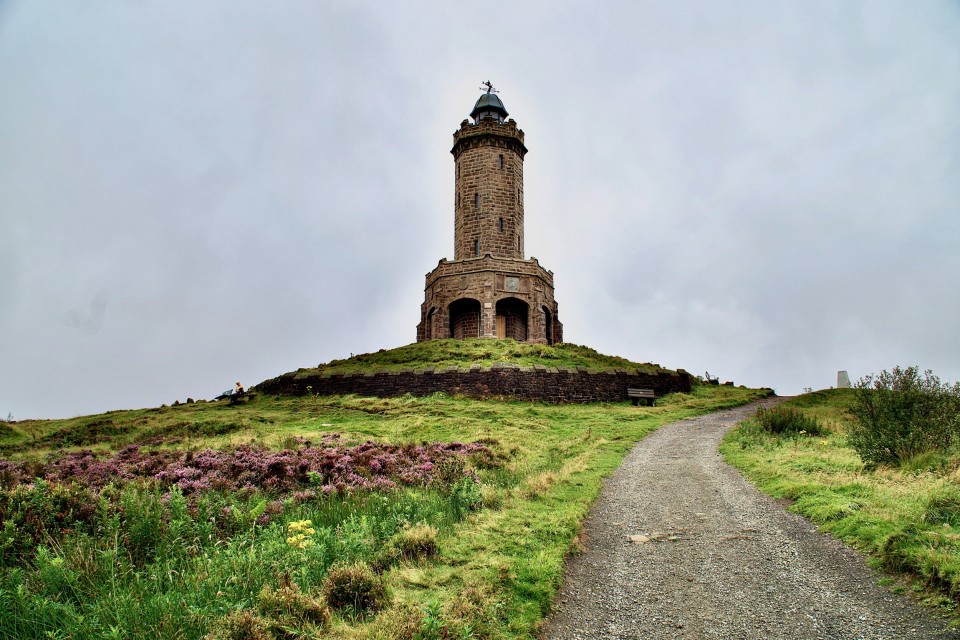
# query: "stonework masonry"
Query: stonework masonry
{"points": [[489, 290], [488, 160], [557, 385]]}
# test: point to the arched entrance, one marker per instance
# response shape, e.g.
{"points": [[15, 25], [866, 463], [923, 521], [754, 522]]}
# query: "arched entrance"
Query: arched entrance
{"points": [[548, 325], [464, 318], [511, 319]]}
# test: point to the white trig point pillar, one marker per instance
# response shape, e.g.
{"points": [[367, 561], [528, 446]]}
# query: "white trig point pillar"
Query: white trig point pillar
{"points": [[843, 380]]}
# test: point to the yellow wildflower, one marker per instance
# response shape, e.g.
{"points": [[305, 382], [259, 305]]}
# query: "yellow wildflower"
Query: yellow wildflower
{"points": [[301, 526], [299, 531]]}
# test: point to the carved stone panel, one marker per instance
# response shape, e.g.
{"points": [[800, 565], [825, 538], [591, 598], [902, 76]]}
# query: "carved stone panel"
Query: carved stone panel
{"points": [[513, 284]]}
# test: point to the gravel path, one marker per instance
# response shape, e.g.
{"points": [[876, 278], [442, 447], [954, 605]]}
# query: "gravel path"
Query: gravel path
{"points": [[711, 557]]}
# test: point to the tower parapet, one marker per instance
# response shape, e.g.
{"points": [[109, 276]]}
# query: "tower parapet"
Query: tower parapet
{"points": [[489, 289]]}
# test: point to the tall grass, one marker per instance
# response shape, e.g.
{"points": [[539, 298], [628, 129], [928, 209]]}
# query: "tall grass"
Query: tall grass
{"points": [[155, 566], [785, 420]]}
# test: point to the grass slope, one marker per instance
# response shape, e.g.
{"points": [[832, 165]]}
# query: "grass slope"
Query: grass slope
{"points": [[906, 519], [501, 542], [443, 353]]}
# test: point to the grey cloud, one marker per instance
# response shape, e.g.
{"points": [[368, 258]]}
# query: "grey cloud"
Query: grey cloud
{"points": [[765, 191]]}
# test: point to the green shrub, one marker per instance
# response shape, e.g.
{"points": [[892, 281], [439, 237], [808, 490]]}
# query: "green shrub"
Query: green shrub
{"points": [[57, 579], [287, 607], [466, 495], [32, 513], [144, 522], [943, 507], [450, 471], [900, 414], [240, 625], [418, 541], [412, 543], [784, 420], [355, 588]]}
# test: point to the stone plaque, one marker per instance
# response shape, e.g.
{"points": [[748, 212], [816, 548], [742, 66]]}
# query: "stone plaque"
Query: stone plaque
{"points": [[511, 283]]}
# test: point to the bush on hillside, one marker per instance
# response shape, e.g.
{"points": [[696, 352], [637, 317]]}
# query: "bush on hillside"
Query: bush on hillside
{"points": [[240, 625], [900, 414], [784, 420], [356, 589], [943, 506], [288, 608], [411, 543], [29, 514]]}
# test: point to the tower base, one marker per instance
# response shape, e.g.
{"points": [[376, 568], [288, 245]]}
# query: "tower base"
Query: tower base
{"points": [[489, 297]]}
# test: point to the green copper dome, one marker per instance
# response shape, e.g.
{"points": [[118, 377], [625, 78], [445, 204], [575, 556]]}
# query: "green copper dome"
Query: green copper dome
{"points": [[489, 105]]}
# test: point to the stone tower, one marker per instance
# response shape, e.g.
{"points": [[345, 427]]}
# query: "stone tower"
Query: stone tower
{"points": [[489, 290]]}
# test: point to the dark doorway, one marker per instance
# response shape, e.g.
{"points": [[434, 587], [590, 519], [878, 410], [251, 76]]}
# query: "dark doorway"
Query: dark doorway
{"points": [[465, 319], [514, 313], [548, 325]]}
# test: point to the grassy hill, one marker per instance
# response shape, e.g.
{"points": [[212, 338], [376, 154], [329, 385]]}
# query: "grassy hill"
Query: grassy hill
{"points": [[218, 521], [444, 353]]}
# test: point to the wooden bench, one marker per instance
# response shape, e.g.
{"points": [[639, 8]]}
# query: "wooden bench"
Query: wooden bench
{"points": [[641, 394], [236, 398], [246, 396]]}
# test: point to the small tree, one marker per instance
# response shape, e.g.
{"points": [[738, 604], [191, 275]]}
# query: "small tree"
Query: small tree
{"points": [[900, 414]]}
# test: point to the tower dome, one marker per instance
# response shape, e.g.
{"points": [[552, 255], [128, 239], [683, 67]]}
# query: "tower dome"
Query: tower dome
{"points": [[489, 106]]}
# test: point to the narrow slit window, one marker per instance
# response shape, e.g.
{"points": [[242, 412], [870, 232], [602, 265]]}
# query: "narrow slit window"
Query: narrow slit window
{"points": [[518, 196], [476, 247], [501, 225], [518, 243], [500, 162], [476, 200]]}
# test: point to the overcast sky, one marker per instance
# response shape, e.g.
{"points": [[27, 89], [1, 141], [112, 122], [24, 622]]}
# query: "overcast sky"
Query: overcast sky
{"points": [[197, 193]]}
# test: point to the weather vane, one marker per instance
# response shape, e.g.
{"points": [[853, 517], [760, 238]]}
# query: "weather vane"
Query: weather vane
{"points": [[489, 87]]}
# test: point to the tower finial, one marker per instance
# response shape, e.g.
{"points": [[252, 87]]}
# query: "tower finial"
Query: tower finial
{"points": [[489, 87]]}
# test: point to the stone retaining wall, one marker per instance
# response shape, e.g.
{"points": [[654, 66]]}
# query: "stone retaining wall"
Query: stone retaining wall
{"points": [[530, 383]]}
